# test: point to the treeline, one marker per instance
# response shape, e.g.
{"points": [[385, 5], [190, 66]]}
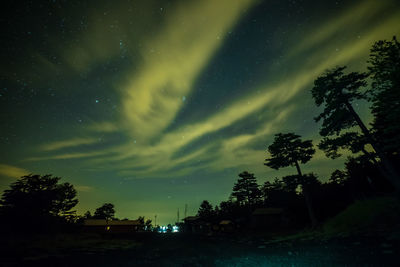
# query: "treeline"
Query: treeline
{"points": [[372, 169], [107, 212], [40, 203]]}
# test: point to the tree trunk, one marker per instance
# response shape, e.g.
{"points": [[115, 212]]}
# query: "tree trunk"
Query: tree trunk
{"points": [[390, 172], [308, 198], [372, 157]]}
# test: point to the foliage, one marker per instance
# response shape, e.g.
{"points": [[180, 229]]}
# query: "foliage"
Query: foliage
{"points": [[352, 141], [384, 69], [337, 91], [364, 178], [246, 189], [279, 194], [227, 208], [141, 220], [293, 181], [288, 150], [337, 177], [87, 215], [106, 212], [36, 196], [148, 224], [269, 188], [205, 210]]}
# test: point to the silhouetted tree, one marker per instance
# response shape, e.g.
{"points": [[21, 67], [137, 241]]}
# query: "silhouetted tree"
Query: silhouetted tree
{"points": [[141, 220], [87, 215], [279, 194], [364, 179], [353, 141], [246, 190], [306, 181], [205, 210], [276, 193], [38, 199], [289, 150], [337, 91], [217, 210], [338, 177], [268, 188], [385, 93], [148, 224], [227, 209], [106, 212], [331, 198]]}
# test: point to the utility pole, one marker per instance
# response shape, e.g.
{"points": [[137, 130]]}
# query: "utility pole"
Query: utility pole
{"points": [[177, 216], [155, 220]]}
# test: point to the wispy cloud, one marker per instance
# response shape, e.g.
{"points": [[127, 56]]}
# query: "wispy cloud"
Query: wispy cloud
{"points": [[355, 16], [234, 150], [76, 155], [172, 60], [12, 171], [83, 188], [175, 56], [68, 143], [103, 127]]}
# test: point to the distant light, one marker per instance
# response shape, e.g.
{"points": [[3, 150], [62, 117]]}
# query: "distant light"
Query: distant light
{"points": [[183, 98], [97, 101]]}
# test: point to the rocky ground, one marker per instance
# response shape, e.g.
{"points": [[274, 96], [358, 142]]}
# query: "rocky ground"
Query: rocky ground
{"points": [[192, 250]]}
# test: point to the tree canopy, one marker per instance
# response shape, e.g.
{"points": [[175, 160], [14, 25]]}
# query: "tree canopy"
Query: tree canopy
{"points": [[36, 196], [205, 210], [246, 190], [337, 91], [288, 150], [106, 211], [353, 141], [384, 94]]}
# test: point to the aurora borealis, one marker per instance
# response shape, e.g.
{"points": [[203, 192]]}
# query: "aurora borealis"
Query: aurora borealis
{"points": [[151, 105]]}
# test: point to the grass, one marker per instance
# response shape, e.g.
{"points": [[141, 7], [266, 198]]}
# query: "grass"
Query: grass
{"points": [[371, 215], [376, 216]]}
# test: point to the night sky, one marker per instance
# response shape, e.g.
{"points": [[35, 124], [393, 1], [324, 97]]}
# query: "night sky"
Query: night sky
{"points": [[151, 105]]}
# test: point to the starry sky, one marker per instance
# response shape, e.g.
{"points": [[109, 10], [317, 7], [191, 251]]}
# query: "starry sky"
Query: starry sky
{"points": [[151, 105]]}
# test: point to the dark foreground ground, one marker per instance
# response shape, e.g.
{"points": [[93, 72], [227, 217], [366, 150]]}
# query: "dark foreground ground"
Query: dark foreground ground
{"points": [[191, 250]]}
